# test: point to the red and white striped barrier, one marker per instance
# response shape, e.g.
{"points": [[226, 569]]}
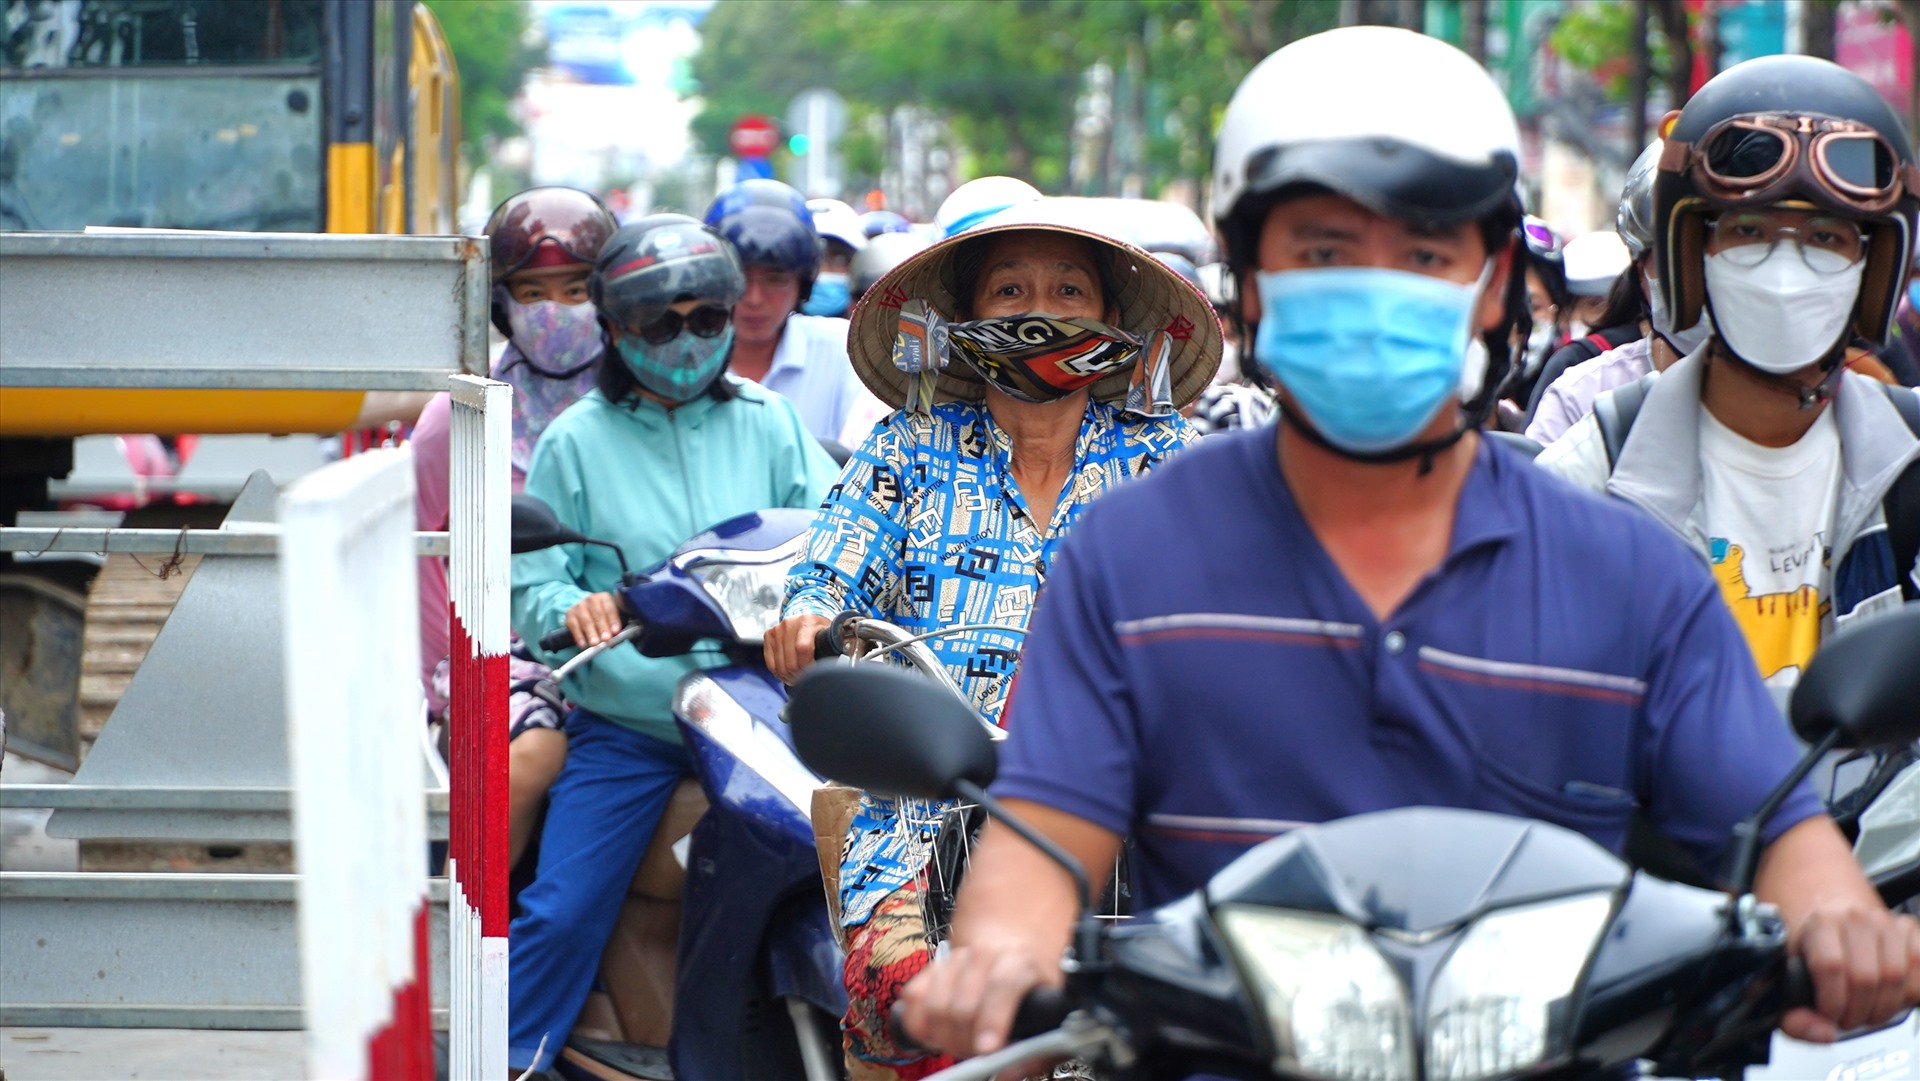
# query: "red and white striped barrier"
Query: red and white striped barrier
{"points": [[347, 585], [477, 581]]}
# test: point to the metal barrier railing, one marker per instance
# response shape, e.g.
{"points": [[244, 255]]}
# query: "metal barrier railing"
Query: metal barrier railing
{"points": [[477, 585], [349, 600]]}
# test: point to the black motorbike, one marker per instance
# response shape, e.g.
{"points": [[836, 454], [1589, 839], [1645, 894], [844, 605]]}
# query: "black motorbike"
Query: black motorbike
{"points": [[1412, 944]]}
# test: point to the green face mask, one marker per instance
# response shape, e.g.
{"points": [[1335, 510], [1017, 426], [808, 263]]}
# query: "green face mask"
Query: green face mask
{"points": [[679, 370]]}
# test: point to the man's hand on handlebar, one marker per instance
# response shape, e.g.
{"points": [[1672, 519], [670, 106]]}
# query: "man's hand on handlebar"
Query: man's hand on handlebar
{"points": [[594, 619], [964, 1003], [789, 646]]}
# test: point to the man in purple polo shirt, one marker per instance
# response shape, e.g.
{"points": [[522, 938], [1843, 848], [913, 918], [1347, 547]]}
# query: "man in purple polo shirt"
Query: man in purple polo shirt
{"points": [[1368, 606]]}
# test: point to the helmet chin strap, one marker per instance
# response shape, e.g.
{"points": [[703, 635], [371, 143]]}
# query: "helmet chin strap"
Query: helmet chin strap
{"points": [[1425, 449], [1809, 397]]}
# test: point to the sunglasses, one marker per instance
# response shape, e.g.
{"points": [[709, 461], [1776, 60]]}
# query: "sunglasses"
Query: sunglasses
{"points": [[1760, 158], [706, 321]]}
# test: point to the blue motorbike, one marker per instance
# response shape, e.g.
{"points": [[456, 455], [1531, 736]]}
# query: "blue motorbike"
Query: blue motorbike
{"points": [[753, 989]]}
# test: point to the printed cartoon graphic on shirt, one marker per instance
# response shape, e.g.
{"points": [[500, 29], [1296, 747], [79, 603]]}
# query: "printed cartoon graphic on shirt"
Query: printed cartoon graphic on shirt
{"points": [[1775, 601]]}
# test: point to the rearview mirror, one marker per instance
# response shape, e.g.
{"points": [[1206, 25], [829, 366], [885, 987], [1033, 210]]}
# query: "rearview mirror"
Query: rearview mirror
{"points": [[532, 526], [1864, 681], [888, 731]]}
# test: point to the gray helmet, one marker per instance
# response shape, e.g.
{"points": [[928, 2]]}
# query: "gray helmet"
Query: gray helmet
{"points": [[1634, 220], [649, 265], [882, 253]]}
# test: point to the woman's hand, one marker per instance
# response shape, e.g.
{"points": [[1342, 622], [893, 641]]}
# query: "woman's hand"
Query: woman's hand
{"points": [[593, 619], [789, 645]]}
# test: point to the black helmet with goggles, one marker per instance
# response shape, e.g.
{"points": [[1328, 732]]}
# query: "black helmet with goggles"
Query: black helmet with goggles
{"points": [[1798, 131]]}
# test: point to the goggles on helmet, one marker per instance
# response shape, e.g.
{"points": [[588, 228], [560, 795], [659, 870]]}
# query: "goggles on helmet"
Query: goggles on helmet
{"points": [[1761, 159]]}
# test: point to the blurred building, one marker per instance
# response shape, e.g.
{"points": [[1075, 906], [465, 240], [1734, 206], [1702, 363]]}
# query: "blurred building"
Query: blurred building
{"points": [[606, 112]]}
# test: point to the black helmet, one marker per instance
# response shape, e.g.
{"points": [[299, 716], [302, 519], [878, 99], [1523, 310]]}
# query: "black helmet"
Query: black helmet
{"points": [[1778, 128], [660, 260], [557, 224], [769, 224]]}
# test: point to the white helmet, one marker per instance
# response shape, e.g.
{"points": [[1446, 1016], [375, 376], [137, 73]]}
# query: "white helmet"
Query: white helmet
{"points": [[1593, 261], [882, 253], [1432, 139], [977, 200], [835, 220]]}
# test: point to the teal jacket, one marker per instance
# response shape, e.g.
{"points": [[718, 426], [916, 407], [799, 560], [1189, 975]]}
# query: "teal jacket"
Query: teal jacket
{"points": [[646, 478]]}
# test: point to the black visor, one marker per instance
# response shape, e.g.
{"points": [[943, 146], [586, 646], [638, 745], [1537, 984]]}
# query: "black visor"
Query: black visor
{"points": [[1390, 178]]}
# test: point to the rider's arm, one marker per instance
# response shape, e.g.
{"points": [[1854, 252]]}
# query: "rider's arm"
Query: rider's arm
{"points": [[1712, 744], [803, 471], [1719, 747], [1864, 960], [1014, 916], [546, 583], [854, 549]]}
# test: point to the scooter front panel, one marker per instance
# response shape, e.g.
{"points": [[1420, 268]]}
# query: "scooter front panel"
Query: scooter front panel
{"points": [[743, 752]]}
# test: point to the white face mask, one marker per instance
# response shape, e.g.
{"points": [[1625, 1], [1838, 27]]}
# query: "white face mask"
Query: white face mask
{"points": [[1685, 342], [1782, 315], [1540, 342]]}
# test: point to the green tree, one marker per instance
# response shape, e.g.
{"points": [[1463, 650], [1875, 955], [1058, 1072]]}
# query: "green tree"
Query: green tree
{"points": [[491, 45], [1002, 72], [1004, 75]]}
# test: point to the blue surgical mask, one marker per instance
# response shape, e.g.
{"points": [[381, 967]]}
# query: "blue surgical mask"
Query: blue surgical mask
{"points": [[1370, 355], [831, 296], [679, 370]]}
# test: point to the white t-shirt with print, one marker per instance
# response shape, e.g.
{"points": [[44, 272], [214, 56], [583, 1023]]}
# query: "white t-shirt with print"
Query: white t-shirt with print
{"points": [[1768, 513]]}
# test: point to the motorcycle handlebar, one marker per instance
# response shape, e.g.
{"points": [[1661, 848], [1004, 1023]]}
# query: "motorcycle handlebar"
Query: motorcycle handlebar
{"points": [[1796, 985], [554, 641], [831, 642], [826, 645], [1042, 1010]]}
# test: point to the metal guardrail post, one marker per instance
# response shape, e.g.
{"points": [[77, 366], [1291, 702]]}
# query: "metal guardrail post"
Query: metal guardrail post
{"points": [[477, 583], [351, 651]]}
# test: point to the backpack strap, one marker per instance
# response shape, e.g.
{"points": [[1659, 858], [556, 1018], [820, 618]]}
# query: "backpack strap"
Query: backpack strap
{"points": [[1901, 504], [1614, 412], [1600, 343]]}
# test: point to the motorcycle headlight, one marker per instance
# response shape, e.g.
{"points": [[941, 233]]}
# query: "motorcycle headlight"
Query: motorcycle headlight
{"points": [[1491, 1005], [1336, 1009], [749, 593]]}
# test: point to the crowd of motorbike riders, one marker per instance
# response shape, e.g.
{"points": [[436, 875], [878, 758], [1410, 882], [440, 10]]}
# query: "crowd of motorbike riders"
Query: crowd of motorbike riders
{"points": [[1349, 539]]}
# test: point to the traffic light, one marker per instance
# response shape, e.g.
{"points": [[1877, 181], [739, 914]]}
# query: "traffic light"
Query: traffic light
{"points": [[798, 144]]}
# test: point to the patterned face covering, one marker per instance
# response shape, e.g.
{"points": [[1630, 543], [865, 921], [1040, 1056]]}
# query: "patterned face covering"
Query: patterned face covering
{"points": [[1035, 358], [1041, 358], [560, 340], [678, 370]]}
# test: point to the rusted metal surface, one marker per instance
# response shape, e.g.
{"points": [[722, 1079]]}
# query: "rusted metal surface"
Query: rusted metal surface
{"points": [[126, 607]]}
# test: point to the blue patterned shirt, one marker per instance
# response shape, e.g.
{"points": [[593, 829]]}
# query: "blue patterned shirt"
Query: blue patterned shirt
{"points": [[927, 529]]}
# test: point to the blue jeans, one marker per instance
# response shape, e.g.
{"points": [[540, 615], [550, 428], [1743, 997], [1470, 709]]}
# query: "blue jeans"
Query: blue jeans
{"points": [[601, 813]]}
